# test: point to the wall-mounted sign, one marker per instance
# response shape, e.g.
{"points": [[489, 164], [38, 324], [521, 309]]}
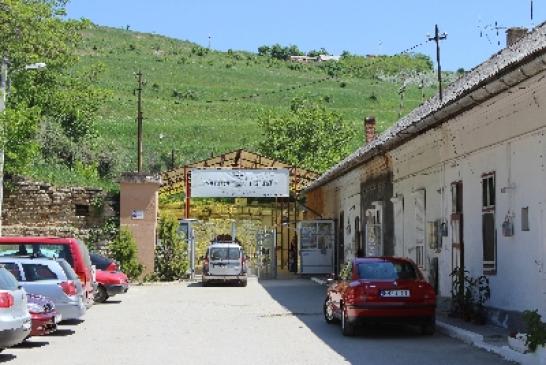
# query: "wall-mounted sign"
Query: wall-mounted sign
{"points": [[230, 183], [137, 214]]}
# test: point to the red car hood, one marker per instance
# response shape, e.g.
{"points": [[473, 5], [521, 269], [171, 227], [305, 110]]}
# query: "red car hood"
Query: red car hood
{"points": [[111, 277]]}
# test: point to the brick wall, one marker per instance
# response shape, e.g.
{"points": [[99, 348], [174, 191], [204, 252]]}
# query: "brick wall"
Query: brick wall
{"points": [[39, 209]]}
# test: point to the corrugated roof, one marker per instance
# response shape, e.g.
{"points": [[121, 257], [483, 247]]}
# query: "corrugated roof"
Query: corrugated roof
{"points": [[520, 53]]}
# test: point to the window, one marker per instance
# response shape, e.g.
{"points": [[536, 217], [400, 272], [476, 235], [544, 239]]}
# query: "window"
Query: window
{"points": [[37, 272], [525, 219], [37, 250], [13, 268], [7, 281], [489, 237], [420, 214], [225, 253], [387, 271], [82, 210]]}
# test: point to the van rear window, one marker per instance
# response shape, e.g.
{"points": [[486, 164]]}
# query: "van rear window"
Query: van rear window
{"points": [[37, 250], [37, 272], [225, 253]]}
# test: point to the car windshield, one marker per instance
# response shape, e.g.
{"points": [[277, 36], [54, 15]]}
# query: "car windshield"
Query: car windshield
{"points": [[99, 261], [37, 250], [386, 270], [7, 281], [225, 253]]}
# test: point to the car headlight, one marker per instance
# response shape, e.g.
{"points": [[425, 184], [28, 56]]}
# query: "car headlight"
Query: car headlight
{"points": [[35, 308]]}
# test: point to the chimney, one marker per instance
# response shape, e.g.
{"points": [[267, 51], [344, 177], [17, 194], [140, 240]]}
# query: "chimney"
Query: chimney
{"points": [[369, 128], [514, 34]]}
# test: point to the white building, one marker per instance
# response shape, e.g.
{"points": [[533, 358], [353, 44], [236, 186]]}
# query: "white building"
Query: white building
{"points": [[469, 174]]}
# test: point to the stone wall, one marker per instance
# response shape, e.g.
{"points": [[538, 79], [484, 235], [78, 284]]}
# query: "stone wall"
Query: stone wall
{"points": [[40, 209]]}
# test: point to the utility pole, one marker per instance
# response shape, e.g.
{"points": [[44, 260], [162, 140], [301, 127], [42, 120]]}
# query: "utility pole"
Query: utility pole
{"points": [[3, 98], [139, 122], [172, 159], [437, 38]]}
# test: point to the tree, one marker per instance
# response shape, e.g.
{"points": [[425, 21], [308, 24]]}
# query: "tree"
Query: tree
{"points": [[124, 250], [264, 50], [35, 31], [308, 135], [171, 255]]}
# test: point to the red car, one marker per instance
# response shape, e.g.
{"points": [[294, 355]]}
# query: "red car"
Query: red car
{"points": [[44, 317], [110, 281], [375, 289]]}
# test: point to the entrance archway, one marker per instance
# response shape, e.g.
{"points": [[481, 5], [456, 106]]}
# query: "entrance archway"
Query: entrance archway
{"points": [[253, 217]]}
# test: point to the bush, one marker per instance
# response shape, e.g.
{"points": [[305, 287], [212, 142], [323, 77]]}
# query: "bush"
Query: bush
{"points": [[536, 329], [171, 255], [124, 250]]}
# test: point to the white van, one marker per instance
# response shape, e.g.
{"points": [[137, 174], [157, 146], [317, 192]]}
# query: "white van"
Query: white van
{"points": [[224, 262]]}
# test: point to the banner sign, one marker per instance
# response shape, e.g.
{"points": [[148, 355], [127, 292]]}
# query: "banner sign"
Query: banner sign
{"points": [[230, 183]]}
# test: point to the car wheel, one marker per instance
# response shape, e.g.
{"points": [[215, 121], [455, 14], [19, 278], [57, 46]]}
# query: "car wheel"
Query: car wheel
{"points": [[204, 283], [429, 327], [101, 296], [347, 328], [328, 312]]}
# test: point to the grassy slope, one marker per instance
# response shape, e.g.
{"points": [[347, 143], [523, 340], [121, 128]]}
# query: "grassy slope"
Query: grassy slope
{"points": [[194, 128]]}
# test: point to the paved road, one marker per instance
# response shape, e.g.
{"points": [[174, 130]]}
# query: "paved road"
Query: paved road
{"points": [[277, 322]]}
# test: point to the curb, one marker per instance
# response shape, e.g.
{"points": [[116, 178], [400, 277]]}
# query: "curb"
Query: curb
{"points": [[478, 341], [318, 280]]}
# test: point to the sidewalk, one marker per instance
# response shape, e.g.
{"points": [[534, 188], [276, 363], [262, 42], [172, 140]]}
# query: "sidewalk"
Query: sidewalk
{"points": [[488, 337]]}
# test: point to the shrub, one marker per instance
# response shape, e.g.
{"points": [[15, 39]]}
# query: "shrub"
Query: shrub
{"points": [[124, 250], [536, 329], [171, 256]]}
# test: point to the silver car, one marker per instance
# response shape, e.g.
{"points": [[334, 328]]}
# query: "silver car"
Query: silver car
{"points": [[52, 278], [14, 317], [224, 262]]}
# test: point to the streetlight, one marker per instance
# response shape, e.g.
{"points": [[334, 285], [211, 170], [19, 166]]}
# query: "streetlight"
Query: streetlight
{"points": [[3, 98]]}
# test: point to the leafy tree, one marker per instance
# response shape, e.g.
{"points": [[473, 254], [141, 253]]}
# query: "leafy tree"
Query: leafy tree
{"points": [[171, 257], [315, 53], [35, 31], [264, 50], [308, 135], [124, 250]]}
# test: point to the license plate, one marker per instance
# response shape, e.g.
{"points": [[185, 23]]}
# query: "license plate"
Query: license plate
{"points": [[395, 293]]}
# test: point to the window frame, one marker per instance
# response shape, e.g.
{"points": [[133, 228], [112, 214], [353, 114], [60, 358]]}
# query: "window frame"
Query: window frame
{"points": [[489, 200]]}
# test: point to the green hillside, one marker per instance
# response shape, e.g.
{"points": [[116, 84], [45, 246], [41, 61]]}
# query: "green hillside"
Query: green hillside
{"points": [[181, 79]]}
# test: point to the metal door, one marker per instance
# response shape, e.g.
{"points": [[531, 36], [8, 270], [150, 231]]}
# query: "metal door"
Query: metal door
{"points": [[266, 260]]}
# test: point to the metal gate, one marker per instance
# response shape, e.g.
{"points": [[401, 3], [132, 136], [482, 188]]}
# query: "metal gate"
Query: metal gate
{"points": [[266, 259]]}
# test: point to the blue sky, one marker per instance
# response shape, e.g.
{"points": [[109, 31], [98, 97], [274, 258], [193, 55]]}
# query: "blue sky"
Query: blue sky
{"points": [[359, 26]]}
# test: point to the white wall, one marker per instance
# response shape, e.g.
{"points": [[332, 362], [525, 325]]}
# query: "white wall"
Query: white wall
{"points": [[505, 135]]}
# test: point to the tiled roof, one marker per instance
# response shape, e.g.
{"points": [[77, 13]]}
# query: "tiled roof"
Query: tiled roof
{"points": [[506, 60]]}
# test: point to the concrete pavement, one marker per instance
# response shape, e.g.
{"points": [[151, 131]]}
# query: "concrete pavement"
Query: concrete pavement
{"points": [[273, 322]]}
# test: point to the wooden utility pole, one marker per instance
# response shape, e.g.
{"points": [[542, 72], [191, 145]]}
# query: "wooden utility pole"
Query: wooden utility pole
{"points": [[437, 38], [139, 122]]}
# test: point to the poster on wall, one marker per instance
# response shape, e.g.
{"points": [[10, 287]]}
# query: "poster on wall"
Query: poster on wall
{"points": [[230, 183]]}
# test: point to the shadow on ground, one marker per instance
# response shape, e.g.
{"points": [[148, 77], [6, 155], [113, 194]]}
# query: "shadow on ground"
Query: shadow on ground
{"points": [[30, 344], [381, 344], [7, 357], [62, 332]]}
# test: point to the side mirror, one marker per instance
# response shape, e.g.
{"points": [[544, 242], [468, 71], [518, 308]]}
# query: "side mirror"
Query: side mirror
{"points": [[330, 280]]}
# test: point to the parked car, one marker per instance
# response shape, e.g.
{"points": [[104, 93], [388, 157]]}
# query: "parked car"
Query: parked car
{"points": [[14, 317], [224, 262], [110, 281], [72, 250], [43, 314], [377, 289], [52, 278]]}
